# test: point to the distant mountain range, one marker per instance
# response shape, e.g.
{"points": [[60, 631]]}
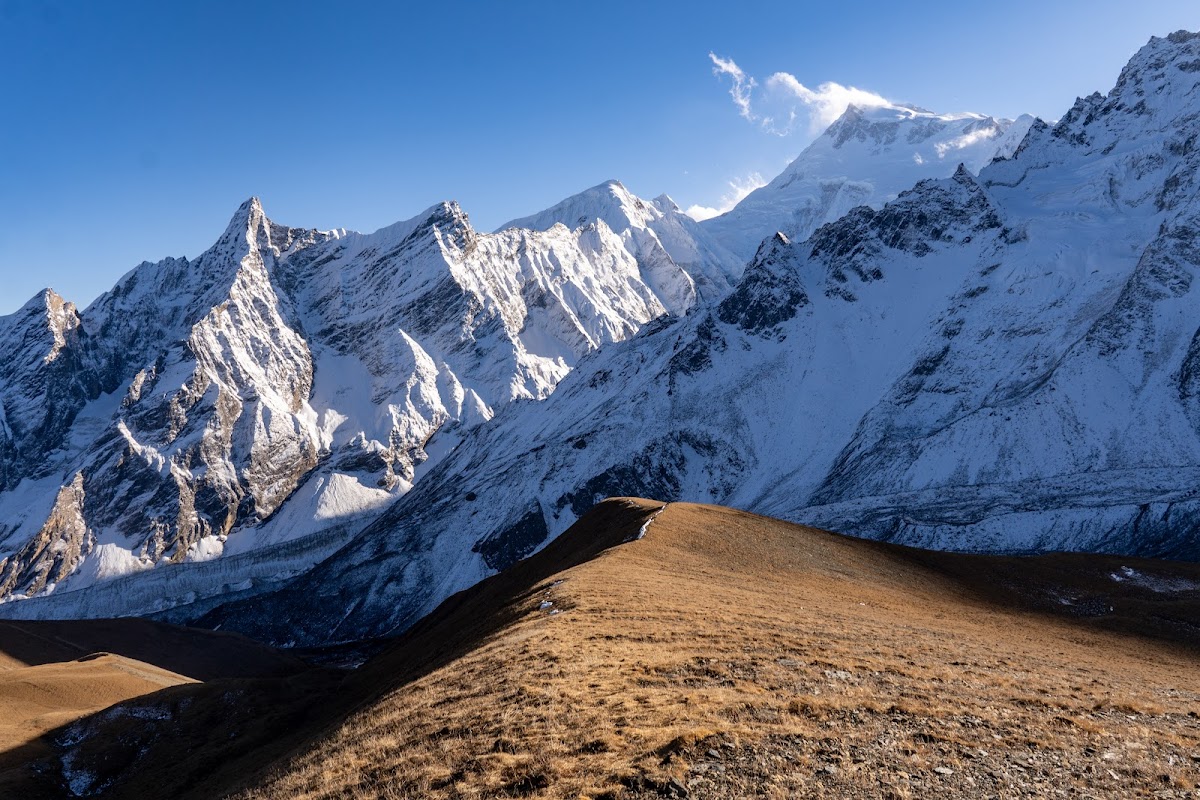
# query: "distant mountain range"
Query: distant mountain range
{"points": [[951, 331]]}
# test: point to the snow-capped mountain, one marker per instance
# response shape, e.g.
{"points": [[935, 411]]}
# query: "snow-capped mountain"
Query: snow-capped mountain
{"points": [[1004, 362], [867, 157], [288, 382], [679, 259]]}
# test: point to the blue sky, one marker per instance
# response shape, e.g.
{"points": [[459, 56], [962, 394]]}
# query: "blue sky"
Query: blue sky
{"points": [[131, 131]]}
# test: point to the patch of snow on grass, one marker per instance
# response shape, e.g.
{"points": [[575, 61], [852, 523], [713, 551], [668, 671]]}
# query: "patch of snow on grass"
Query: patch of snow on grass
{"points": [[646, 525], [1156, 583]]}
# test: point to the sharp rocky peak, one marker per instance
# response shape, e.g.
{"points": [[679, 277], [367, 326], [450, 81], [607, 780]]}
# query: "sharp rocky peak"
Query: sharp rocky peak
{"points": [[770, 292], [1163, 59], [45, 301], [246, 221], [449, 224], [446, 215], [251, 209], [47, 312], [1152, 90], [250, 230]]}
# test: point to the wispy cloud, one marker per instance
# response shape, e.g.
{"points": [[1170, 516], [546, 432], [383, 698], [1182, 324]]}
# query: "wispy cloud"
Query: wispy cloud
{"points": [[964, 141], [741, 87], [738, 189], [783, 104]]}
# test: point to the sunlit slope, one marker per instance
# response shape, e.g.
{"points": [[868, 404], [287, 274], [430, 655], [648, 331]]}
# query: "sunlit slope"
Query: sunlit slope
{"points": [[724, 653], [41, 698], [55, 674]]}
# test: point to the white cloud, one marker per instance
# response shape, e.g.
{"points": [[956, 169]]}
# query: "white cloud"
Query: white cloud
{"points": [[828, 101], [701, 213], [784, 102], [738, 189], [742, 86], [964, 141]]}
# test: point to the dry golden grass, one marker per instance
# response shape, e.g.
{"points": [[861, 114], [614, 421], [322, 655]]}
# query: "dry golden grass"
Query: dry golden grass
{"points": [[727, 654], [35, 700], [55, 673], [39, 699]]}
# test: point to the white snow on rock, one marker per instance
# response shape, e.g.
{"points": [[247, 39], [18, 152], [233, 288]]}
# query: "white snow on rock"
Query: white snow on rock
{"points": [[641, 534], [291, 381], [867, 157], [950, 331], [1002, 362], [677, 257]]}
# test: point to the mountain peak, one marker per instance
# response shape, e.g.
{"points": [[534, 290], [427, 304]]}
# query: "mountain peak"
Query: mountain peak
{"points": [[881, 124], [868, 156], [248, 214], [665, 203], [1153, 92], [45, 312], [1162, 67], [609, 201], [45, 302], [245, 226], [770, 292], [447, 215], [42, 299], [251, 230], [450, 209]]}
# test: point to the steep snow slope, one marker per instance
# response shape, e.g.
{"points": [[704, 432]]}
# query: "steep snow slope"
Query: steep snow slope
{"points": [[281, 386], [678, 258], [867, 157], [1002, 363], [1062, 412]]}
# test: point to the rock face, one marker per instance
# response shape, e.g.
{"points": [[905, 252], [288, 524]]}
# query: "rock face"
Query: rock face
{"points": [[1004, 363], [41, 383], [288, 382]]}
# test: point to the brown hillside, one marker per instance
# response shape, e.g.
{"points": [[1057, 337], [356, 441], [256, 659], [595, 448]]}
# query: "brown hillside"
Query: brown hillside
{"points": [[726, 654], [57, 672], [39, 699], [202, 655], [722, 655]]}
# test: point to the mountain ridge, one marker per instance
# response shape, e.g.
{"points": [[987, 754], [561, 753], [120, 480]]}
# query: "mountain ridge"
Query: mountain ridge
{"points": [[653, 641], [219, 361], [981, 364], [924, 371], [865, 157]]}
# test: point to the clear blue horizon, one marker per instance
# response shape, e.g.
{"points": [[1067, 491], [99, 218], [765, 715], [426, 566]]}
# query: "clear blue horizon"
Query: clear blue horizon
{"points": [[133, 130]]}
